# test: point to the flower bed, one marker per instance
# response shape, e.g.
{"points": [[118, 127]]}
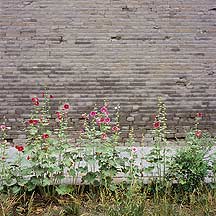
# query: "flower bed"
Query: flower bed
{"points": [[48, 160]]}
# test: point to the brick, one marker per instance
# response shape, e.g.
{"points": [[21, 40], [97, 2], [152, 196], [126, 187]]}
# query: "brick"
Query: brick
{"points": [[128, 53]]}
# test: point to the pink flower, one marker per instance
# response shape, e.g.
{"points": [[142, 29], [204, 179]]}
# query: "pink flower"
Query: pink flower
{"points": [[66, 106], [134, 149], [84, 116], [51, 96], [104, 136], [19, 148], [104, 110], [2, 127], [107, 120], [199, 115], [156, 124], [35, 121], [45, 136], [93, 113], [115, 129], [198, 133]]}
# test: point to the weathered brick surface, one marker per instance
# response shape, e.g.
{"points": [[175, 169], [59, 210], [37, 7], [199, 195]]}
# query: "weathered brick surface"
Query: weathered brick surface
{"points": [[128, 52]]}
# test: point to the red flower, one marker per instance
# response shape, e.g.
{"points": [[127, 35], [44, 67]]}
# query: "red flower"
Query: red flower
{"points": [[3, 158], [19, 148], [134, 149], [59, 115], [33, 121], [30, 121], [115, 128], [43, 94], [93, 113], [66, 106], [51, 96], [107, 120], [103, 136], [102, 120], [199, 115], [45, 136], [198, 133], [35, 100], [156, 124], [28, 157]]}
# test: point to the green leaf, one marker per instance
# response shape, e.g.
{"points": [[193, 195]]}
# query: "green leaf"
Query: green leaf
{"points": [[33, 131], [72, 172], [90, 177], [15, 189], [64, 189], [46, 182]]}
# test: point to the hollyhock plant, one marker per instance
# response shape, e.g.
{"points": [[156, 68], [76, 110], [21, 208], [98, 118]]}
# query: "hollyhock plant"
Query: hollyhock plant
{"points": [[199, 115], [134, 149], [2, 127], [19, 148], [115, 129], [93, 114], [59, 115], [104, 136], [33, 121], [156, 124], [84, 116], [104, 110], [35, 101], [198, 133], [107, 120], [102, 120], [30, 121], [45, 136], [66, 106]]}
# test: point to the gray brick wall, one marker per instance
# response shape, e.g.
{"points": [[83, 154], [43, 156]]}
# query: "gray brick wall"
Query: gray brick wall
{"points": [[128, 52]]}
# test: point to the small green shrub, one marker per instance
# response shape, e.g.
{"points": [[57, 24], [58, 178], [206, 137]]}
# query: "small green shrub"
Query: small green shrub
{"points": [[191, 164]]}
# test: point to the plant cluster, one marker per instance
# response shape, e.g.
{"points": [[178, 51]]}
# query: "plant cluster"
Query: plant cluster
{"points": [[47, 157]]}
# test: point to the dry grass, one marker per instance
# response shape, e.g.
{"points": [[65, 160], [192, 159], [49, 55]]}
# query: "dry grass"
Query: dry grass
{"points": [[103, 203]]}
